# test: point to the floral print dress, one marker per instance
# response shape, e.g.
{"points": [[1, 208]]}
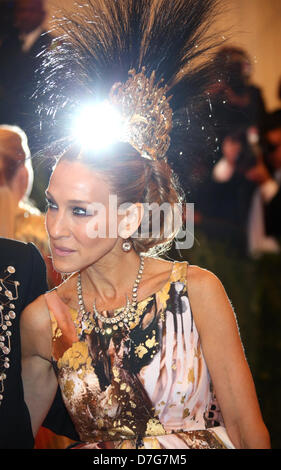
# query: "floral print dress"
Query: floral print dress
{"points": [[145, 386]]}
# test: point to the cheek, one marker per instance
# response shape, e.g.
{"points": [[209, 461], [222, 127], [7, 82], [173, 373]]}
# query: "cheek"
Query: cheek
{"points": [[90, 250], [98, 236], [95, 237], [92, 235], [103, 225]]}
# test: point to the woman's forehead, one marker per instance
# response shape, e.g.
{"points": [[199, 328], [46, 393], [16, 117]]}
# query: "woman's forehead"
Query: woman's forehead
{"points": [[76, 179]]}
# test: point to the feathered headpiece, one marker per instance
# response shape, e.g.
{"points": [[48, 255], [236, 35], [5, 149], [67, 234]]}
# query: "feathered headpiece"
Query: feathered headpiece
{"points": [[138, 55]]}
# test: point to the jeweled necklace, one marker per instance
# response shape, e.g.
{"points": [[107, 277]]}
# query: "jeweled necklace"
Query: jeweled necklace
{"points": [[112, 323]]}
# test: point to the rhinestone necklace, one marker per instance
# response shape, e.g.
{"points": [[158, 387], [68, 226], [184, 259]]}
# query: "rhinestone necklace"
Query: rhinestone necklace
{"points": [[112, 324]]}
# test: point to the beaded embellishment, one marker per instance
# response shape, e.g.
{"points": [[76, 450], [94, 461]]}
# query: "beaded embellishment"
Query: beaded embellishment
{"points": [[8, 294], [146, 112]]}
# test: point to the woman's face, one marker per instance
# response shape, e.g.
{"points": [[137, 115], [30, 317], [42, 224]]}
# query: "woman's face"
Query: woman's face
{"points": [[78, 217]]}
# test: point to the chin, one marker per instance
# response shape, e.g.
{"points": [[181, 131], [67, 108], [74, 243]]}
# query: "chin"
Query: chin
{"points": [[64, 267], [63, 270]]}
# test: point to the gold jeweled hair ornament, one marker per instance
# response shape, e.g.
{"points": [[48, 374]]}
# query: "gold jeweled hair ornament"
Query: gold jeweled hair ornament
{"points": [[146, 114]]}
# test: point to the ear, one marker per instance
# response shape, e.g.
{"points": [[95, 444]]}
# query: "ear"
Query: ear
{"points": [[19, 183], [131, 220]]}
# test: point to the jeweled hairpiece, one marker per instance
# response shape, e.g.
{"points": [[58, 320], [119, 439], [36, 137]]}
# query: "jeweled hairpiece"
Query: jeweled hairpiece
{"points": [[146, 112]]}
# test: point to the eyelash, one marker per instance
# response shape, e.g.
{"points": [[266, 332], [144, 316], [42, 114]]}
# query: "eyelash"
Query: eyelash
{"points": [[52, 206], [84, 212]]}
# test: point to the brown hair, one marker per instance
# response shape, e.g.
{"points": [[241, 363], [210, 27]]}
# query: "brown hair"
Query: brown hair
{"points": [[135, 179]]}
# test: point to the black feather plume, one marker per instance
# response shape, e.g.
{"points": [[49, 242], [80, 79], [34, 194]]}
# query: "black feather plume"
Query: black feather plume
{"points": [[103, 40]]}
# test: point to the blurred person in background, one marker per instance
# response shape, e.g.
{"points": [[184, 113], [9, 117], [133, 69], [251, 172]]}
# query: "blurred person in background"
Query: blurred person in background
{"points": [[11, 59], [7, 28], [236, 102], [29, 17], [264, 221], [19, 218], [24, 37], [272, 135], [225, 197], [241, 202]]}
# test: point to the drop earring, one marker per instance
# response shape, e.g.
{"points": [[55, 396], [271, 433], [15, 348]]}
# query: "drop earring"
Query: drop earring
{"points": [[127, 245]]}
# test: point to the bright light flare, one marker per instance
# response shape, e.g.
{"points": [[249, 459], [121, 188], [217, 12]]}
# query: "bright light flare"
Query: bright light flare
{"points": [[98, 126]]}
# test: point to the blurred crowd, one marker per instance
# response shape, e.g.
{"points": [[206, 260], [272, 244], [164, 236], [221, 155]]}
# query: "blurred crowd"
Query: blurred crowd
{"points": [[237, 194]]}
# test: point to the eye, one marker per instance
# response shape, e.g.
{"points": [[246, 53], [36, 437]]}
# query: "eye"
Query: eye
{"points": [[50, 204], [80, 211]]}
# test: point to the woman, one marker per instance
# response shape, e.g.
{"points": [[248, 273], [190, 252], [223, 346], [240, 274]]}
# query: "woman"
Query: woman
{"points": [[146, 351], [22, 220], [19, 219]]}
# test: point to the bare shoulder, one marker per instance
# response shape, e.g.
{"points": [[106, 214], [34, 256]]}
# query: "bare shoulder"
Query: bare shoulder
{"points": [[201, 278], [36, 311], [36, 330], [208, 298]]}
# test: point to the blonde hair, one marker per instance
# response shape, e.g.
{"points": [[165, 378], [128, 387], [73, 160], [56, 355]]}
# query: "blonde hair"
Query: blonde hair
{"points": [[14, 151]]}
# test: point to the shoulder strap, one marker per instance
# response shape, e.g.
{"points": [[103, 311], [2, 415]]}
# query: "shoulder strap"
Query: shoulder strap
{"points": [[179, 273]]}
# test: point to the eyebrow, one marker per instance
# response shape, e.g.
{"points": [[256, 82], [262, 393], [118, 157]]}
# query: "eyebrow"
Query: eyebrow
{"points": [[71, 201]]}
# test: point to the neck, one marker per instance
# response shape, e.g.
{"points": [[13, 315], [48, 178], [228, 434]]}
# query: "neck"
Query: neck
{"points": [[104, 280]]}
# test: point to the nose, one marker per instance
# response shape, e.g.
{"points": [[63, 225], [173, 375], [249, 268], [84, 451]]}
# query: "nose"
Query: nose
{"points": [[57, 225]]}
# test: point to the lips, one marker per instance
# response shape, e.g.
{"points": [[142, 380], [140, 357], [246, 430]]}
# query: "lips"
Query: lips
{"points": [[62, 251]]}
